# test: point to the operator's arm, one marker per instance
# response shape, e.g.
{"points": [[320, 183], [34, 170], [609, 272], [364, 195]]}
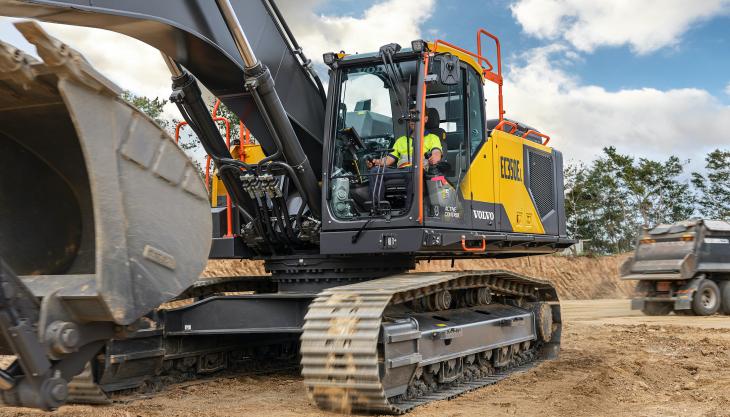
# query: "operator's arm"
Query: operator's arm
{"points": [[392, 157], [388, 160], [432, 144]]}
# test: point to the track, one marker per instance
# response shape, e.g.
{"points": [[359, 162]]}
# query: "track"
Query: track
{"points": [[143, 365], [343, 354], [346, 376]]}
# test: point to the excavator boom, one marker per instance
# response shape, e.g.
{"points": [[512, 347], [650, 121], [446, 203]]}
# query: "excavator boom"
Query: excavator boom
{"points": [[195, 35]]}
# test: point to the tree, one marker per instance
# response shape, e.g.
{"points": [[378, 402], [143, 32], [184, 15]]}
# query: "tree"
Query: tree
{"points": [[654, 187], [608, 200], [152, 107], [713, 190]]}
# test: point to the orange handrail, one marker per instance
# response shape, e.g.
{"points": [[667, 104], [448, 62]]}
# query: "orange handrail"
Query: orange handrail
{"points": [[498, 79], [486, 71], [245, 134], [481, 248], [420, 142], [479, 58], [501, 125], [536, 133]]}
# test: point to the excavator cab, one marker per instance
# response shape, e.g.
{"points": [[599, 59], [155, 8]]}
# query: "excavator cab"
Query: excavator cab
{"points": [[377, 102], [494, 177]]}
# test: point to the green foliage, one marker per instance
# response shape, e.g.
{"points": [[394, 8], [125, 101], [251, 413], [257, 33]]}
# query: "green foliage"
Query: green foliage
{"points": [[608, 200], [713, 190], [152, 107]]}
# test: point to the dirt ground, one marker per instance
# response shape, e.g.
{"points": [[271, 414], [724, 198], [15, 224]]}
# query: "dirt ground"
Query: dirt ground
{"points": [[576, 278], [613, 362]]}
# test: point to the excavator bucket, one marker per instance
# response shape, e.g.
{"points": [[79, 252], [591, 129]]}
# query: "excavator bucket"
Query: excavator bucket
{"points": [[102, 216], [98, 199]]}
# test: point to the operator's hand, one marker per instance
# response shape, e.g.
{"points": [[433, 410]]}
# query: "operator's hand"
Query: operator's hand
{"points": [[434, 159], [374, 162]]}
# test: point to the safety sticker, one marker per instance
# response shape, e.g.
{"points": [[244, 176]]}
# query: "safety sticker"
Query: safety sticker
{"points": [[716, 240]]}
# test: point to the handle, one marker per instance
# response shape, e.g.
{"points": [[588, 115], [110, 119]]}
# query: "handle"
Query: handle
{"points": [[481, 248], [501, 124], [536, 133]]}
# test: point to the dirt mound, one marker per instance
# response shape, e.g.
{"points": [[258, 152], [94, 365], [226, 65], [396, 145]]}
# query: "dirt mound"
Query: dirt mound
{"points": [[575, 277]]}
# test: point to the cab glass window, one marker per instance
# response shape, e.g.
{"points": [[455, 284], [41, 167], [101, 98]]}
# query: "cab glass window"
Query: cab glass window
{"points": [[477, 133]]}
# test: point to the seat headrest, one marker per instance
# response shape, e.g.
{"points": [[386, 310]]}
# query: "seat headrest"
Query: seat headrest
{"points": [[434, 119]]}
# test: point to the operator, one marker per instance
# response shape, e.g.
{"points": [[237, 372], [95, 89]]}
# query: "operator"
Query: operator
{"points": [[403, 155]]}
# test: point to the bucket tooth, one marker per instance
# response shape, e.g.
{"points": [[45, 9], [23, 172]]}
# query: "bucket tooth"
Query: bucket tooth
{"points": [[64, 60]]}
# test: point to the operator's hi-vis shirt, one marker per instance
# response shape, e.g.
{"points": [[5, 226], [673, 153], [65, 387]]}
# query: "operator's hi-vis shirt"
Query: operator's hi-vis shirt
{"points": [[403, 148]]}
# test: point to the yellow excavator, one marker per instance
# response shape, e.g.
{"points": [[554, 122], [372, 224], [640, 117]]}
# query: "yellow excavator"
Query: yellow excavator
{"points": [[103, 218]]}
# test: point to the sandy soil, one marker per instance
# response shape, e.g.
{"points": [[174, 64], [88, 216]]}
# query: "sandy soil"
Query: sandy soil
{"points": [[613, 362], [576, 278]]}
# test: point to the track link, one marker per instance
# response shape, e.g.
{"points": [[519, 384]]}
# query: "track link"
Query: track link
{"points": [[341, 364]]}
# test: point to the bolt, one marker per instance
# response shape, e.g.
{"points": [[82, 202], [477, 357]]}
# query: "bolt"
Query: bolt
{"points": [[59, 391], [70, 337]]}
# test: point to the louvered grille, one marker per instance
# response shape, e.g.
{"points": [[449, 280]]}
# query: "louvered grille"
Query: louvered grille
{"points": [[542, 181]]}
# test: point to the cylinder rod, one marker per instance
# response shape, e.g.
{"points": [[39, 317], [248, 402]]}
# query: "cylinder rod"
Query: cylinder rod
{"points": [[244, 48], [172, 65]]}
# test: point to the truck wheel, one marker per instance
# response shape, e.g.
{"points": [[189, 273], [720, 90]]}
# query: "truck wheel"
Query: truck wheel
{"points": [[706, 300], [657, 308], [725, 297]]}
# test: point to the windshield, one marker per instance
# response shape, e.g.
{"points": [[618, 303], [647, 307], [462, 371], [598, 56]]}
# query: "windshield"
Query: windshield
{"points": [[372, 104]]}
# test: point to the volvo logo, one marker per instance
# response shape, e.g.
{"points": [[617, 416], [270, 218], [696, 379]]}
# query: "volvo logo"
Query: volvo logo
{"points": [[483, 215]]}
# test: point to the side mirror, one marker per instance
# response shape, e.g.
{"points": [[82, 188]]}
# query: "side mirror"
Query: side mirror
{"points": [[448, 69]]}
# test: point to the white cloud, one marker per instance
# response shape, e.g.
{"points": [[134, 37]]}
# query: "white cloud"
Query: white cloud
{"points": [[727, 89], [384, 22], [645, 25], [138, 67], [131, 64], [582, 119]]}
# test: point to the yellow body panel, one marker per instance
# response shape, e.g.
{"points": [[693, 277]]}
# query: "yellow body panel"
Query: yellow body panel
{"points": [[252, 154], [497, 175]]}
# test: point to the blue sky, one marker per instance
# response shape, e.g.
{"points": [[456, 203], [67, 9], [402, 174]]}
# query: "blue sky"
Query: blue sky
{"points": [[649, 77], [701, 60]]}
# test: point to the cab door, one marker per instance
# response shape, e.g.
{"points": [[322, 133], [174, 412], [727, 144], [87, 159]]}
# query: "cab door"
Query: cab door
{"points": [[444, 203], [478, 188]]}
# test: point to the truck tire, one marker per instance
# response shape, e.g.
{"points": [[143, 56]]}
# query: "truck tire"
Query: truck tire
{"points": [[725, 297], [706, 300], [657, 308]]}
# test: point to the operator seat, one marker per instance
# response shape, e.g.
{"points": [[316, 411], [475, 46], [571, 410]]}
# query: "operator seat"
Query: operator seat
{"points": [[434, 126]]}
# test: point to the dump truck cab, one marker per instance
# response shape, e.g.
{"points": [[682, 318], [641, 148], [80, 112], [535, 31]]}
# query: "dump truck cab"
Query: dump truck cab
{"points": [[683, 267]]}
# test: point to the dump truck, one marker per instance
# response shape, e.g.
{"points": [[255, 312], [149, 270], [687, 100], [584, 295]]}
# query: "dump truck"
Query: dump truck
{"points": [[682, 267], [104, 219]]}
